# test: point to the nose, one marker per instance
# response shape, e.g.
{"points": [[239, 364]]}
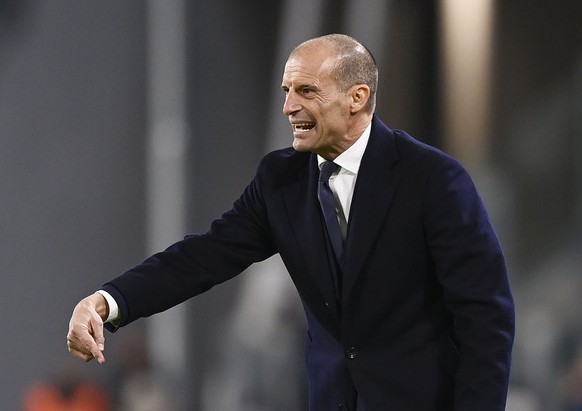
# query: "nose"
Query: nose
{"points": [[291, 104]]}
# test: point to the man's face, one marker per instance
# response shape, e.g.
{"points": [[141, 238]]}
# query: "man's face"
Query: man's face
{"points": [[318, 112]]}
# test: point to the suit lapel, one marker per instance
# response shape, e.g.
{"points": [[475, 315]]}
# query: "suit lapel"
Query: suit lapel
{"points": [[302, 207], [375, 188]]}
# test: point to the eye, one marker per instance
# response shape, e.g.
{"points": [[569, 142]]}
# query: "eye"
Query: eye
{"points": [[307, 92]]}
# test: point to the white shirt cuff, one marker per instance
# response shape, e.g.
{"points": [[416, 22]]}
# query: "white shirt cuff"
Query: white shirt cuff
{"points": [[113, 307]]}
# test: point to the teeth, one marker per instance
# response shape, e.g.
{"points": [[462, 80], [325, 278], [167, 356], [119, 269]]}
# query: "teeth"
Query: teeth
{"points": [[304, 126]]}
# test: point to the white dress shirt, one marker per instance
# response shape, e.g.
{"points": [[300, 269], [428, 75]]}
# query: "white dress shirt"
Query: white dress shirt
{"points": [[113, 306], [342, 185], [343, 181]]}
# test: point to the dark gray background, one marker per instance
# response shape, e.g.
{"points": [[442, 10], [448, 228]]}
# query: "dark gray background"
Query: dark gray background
{"points": [[73, 119]]}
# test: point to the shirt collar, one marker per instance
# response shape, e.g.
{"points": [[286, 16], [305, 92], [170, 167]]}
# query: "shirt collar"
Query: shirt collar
{"points": [[351, 159]]}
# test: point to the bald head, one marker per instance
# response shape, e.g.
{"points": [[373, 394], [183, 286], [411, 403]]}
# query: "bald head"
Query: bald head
{"points": [[354, 63]]}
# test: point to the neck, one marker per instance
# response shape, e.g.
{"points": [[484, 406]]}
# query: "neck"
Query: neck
{"points": [[353, 134]]}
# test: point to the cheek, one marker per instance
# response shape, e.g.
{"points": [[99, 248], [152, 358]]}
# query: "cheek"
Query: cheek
{"points": [[334, 117]]}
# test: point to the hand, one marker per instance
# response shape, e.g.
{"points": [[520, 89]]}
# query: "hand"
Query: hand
{"points": [[85, 339]]}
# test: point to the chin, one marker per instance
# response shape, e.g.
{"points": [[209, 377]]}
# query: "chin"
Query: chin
{"points": [[299, 146]]}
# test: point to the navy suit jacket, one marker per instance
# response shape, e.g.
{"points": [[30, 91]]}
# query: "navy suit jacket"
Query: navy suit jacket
{"points": [[425, 317]]}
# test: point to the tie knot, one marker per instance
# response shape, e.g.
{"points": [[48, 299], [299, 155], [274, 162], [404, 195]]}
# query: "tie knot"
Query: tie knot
{"points": [[327, 169]]}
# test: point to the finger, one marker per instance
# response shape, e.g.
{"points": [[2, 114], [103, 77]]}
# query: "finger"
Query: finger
{"points": [[82, 345], [98, 334], [78, 351], [96, 352], [80, 354], [97, 343], [89, 344], [87, 349]]}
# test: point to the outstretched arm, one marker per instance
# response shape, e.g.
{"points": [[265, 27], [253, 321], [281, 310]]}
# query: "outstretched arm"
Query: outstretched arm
{"points": [[85, 339]]}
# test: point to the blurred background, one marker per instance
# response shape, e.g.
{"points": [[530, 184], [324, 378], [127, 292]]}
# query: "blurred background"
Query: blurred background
{"points": [[125, 125]]}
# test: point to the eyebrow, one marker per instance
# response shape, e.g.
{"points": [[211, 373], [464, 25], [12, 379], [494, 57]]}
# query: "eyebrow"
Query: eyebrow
{"points": [[301, 86]]}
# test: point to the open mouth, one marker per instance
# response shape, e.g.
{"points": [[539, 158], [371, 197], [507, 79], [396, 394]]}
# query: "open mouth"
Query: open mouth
{"points": [[303, 126]]}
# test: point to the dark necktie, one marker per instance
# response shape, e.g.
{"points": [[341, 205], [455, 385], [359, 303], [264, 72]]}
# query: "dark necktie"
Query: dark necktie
{"points": [[328, 207]]}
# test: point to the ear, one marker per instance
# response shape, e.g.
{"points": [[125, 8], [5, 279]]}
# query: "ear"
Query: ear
{"points": [[360, 93]]}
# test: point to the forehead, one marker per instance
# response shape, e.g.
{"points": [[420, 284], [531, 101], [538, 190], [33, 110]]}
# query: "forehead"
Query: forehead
{"points": [[312, 64]]}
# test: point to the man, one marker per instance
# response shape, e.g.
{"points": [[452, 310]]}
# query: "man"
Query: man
{"points": [[404, 288]]}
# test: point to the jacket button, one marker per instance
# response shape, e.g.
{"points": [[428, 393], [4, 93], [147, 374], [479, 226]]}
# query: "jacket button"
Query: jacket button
{"points": [[352, 353], [342, 407]]}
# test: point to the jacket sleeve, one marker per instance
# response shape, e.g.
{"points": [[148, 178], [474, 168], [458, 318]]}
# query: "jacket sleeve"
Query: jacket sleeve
{"points": [[237, 239], [472, 272]]}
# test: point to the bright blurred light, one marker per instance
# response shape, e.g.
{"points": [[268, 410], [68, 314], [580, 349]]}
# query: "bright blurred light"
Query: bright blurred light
{"points": [[466, 45]]}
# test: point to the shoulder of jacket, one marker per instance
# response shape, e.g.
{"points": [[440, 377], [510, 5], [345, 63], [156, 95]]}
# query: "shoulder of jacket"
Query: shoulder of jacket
{"points": [[284, 159]]}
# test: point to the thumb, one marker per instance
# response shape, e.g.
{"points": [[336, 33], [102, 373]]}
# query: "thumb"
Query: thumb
{"points": [[97, 332], [100, 340]]}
